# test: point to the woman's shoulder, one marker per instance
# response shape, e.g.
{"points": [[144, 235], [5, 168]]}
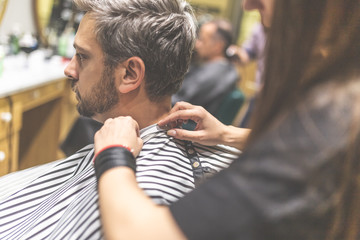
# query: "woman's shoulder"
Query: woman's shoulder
{"points": [[325, 115], [339, 93], [332, 104]]}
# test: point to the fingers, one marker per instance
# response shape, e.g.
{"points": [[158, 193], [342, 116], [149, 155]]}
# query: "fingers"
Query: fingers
{"points": [[124, 124], [181, 106], [187, 135], [182, 111], [177, 118], [120, 122], [119, 131]]}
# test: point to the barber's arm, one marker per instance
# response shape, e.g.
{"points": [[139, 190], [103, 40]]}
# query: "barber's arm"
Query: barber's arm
{"points": [[126, 212], [209, 130]]}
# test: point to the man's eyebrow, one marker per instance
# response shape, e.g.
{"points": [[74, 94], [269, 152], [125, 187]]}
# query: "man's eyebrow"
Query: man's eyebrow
{"points": [[77, 47]]}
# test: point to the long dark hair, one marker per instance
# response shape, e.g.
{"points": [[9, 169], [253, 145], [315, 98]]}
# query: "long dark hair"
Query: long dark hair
{"points": [[312, 42], [294, 62]]}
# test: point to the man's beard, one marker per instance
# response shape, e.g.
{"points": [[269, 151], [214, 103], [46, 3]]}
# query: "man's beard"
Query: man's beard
{"points": [[103, 96]]}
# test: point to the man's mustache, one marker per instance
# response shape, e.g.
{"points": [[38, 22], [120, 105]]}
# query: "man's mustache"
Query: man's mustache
{"points": [[73, 83], [74, 88]]}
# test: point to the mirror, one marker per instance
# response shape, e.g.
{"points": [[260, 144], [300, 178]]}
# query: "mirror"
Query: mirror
{"points": [[42, 13], [52, 17], [3, 4]]}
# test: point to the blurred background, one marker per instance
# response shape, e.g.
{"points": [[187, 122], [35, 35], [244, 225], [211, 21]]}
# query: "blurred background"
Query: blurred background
{"points": [[37, 108]]}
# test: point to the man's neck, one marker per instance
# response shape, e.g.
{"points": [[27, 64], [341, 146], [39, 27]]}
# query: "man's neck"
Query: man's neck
{"points": [[144, 112], [149, 114]]}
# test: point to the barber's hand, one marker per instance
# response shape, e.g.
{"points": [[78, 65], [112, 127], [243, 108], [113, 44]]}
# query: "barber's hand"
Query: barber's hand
{"points": [[237, 55], [209, 131], [119, 131]]}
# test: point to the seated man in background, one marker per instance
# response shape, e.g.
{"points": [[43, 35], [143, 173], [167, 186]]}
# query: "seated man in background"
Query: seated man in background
{"points": [[209, 82], [130, 58]]}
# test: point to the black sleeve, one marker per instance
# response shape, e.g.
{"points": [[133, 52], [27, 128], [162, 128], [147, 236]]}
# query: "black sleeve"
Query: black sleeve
{"points": [[273, 190], [213, 212], [201, 86]]}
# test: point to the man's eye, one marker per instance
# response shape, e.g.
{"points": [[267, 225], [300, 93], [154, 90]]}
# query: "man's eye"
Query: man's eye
{"points": [[80, 56]]}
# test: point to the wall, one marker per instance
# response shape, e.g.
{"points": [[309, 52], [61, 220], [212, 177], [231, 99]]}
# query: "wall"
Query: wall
{"points": [[18, 14]]}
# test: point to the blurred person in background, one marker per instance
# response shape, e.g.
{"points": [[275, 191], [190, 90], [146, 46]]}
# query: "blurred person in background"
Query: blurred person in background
{"points": [[212, 76], [253, 49], [298, 176]]}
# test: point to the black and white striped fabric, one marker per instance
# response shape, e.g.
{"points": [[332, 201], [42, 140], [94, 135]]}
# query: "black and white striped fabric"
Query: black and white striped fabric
{"points": [[59, 200]]}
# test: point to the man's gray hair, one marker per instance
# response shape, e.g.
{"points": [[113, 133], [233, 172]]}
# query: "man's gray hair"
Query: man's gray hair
{"points": [[161, 32]]}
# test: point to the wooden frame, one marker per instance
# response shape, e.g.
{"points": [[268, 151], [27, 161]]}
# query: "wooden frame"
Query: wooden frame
{"points": [[3, 4], [38, 23]]}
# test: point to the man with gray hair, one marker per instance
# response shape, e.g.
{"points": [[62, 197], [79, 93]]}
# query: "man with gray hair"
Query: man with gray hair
{"points": [[131, 56]]}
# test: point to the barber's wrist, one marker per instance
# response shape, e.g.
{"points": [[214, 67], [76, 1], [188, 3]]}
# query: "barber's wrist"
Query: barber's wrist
{"points": [[114, 145], [112, 157]]}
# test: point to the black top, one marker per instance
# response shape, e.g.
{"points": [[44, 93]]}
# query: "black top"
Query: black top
{"points": [[208, 84], [284, 186]]}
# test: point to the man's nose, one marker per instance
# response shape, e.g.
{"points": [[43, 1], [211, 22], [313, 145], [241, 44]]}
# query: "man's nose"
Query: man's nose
{"points": [[70, 70]]}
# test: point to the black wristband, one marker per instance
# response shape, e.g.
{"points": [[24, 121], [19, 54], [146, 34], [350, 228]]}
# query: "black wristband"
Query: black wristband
{"points": [[113, 157]]}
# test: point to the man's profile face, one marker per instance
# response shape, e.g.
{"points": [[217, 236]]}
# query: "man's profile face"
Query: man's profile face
{"points": [[206, 42], [265, 8], [93, 83]]}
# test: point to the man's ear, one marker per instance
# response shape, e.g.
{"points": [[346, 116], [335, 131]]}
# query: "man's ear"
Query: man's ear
{"points": [[134, 74]]}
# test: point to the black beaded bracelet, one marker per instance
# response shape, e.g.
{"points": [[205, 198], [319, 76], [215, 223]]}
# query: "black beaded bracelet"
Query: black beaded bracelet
{"points": [[113, 157]]}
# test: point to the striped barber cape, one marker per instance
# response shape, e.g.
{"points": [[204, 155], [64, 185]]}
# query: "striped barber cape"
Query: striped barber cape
{"points": [[59, 200]]}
